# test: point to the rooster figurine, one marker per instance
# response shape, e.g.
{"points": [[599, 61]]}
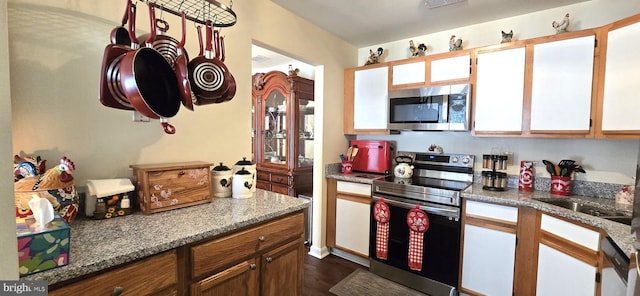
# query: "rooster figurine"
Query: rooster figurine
{"points": [[417, 51], [455, 44], [374, 57], [54, 178], [562, 26]]}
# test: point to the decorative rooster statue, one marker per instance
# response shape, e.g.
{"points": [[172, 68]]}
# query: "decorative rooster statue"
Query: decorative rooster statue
{"points": [[417, 51], [562, 26], [374, 57], [455, 44], [54, 178]]}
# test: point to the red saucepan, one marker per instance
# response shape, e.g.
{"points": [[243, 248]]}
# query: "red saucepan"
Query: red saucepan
{"points": [[182, 72], [232, 81], [164, 44], [111, 92], [149, 81], [206, 73], [120, 35]]}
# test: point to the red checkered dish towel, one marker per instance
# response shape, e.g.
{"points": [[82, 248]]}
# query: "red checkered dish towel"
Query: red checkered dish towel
{"points": [[381, 214], [418, 222]]}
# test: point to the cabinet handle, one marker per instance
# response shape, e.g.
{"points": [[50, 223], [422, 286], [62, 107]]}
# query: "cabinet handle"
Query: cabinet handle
{"points": [[252, 266], [268, 259], [117, 291], [261, 239], [181, 173]]}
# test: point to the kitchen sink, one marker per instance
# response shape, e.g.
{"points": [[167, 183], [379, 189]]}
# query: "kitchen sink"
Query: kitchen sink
{"points": [[605, 213]]}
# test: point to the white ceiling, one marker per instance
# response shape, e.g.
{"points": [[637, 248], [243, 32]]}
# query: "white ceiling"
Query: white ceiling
{"points": [[370, 22]]}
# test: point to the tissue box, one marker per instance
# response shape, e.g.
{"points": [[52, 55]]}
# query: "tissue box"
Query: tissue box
{"points": [[40, 250], [109, 198]]}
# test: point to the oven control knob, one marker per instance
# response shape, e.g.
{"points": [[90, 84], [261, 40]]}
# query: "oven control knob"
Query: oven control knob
{"points": [[465, 160], [454, 159]]}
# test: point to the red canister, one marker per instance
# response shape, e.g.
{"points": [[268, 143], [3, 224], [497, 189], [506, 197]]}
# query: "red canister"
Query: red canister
{"points": [[525, 182]]}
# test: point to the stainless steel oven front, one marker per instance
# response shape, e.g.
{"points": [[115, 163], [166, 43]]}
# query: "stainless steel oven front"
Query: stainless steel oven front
{"points": [[440, 246]]}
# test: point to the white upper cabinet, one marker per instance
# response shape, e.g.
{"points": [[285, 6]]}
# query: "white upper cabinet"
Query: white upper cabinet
{"points": [[561, 85], [451, 68], [409, 73], [370, 98], [621, 101], [499, 90]]}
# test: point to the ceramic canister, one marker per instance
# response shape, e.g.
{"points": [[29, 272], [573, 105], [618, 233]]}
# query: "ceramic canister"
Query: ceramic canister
{"points": [[242, 184], [247, 165], [221, 180]]}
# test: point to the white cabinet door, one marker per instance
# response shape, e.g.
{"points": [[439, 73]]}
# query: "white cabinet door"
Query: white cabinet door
{"points": [[489, 258], [408, 73], [499, 90], [371, 103], [352, 226], [620, 100], [561, 85], [488, 254], [451, 68], [561, 274]]}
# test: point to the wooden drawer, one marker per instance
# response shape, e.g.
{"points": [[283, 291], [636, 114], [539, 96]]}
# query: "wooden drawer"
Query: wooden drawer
{"points": [[280, 179], [218, 253], [163, 187], [282, 189], [265, 176], [151, 276]]}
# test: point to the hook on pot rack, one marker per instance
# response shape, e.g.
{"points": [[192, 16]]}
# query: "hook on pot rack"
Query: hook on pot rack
{"points": [[223, 15]]}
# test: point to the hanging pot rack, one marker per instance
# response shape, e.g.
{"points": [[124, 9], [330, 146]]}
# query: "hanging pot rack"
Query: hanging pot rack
{"points": [[199, 11]]}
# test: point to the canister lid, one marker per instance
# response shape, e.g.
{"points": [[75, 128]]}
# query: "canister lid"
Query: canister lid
{"points": [[244, 161], [221, 167], [243, 172]]}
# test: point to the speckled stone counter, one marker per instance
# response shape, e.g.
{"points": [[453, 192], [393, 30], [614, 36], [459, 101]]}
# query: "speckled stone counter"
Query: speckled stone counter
{"points": [[100, 244]]}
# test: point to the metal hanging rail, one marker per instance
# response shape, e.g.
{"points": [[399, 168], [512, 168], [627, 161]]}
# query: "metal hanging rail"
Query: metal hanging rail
{"points": [[198, 11]]}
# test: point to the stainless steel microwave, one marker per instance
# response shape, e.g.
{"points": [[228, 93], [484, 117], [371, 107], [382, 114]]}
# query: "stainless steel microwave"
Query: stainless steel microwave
{"points": [[436, 108]]}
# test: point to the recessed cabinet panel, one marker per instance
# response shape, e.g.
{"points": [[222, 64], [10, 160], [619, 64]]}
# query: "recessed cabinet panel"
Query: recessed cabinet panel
{"points": [[620, 102], [352, 221], [500, 90], [371, 104], [450, 68], [562, 274], [561, 85], [408, 73]]}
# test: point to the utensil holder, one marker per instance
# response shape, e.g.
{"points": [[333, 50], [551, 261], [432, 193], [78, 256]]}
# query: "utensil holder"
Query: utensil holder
{"points": [[347, 167], [560, 186]]}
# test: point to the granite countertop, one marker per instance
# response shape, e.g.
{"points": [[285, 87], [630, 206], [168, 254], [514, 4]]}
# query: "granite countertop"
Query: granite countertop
{"points": [[100, 244]]}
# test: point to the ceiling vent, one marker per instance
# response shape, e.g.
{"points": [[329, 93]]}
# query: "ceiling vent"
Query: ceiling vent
{"points": [[259, 58], [438, 3]]}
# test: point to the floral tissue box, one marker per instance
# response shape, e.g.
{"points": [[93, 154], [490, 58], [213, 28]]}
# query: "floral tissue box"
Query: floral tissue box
{"points": [[40, 250]]}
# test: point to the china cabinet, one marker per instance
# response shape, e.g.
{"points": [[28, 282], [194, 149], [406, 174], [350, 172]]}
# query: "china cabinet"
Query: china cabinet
{"points": [[283, 122]]}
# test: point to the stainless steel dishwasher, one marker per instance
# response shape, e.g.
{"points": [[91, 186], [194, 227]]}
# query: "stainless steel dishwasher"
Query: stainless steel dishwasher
{"points": [[308, 218]]}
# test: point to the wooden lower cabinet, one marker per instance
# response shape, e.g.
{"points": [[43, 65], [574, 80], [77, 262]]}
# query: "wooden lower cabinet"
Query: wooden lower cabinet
{"points": [[240, 279], [155, 275], [348, 215], [264, 260]]}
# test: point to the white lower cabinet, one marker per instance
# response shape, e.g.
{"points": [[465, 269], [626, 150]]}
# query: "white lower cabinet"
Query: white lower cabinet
{"points": [[568, 258], [489, 247], [352, 219]]}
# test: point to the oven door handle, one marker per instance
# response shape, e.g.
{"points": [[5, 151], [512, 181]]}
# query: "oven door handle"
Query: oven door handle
{"points": [[445, 211]]}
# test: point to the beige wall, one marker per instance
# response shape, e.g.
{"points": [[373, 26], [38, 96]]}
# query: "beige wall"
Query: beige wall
{"points": [[9, 255], [55, 56]]}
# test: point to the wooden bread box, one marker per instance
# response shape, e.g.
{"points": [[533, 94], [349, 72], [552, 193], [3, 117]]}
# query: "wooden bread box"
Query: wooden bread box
{"points": [[168, 186]]}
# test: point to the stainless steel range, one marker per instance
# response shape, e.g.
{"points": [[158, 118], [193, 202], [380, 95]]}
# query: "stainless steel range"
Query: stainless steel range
{"points": [[415, 223]]}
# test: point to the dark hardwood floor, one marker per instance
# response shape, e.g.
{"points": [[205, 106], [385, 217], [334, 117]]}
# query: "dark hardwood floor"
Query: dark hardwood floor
{"points": [[322, 274]]}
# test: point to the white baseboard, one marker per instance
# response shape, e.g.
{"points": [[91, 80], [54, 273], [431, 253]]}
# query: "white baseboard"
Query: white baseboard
{"points": [[319, 252]]}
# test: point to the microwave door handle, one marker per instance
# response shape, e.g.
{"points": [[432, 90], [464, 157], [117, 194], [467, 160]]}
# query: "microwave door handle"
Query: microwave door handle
{"points": [[445, 108]]}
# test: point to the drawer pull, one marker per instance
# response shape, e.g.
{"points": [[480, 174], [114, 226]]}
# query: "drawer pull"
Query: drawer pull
{"points": [[268, 259], [261, 239], [117, 291], [252, 266], [181, 173]]}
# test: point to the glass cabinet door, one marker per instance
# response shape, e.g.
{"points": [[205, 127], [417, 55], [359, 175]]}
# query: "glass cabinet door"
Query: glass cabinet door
{"points": [[275, 128], [305, 133]]}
